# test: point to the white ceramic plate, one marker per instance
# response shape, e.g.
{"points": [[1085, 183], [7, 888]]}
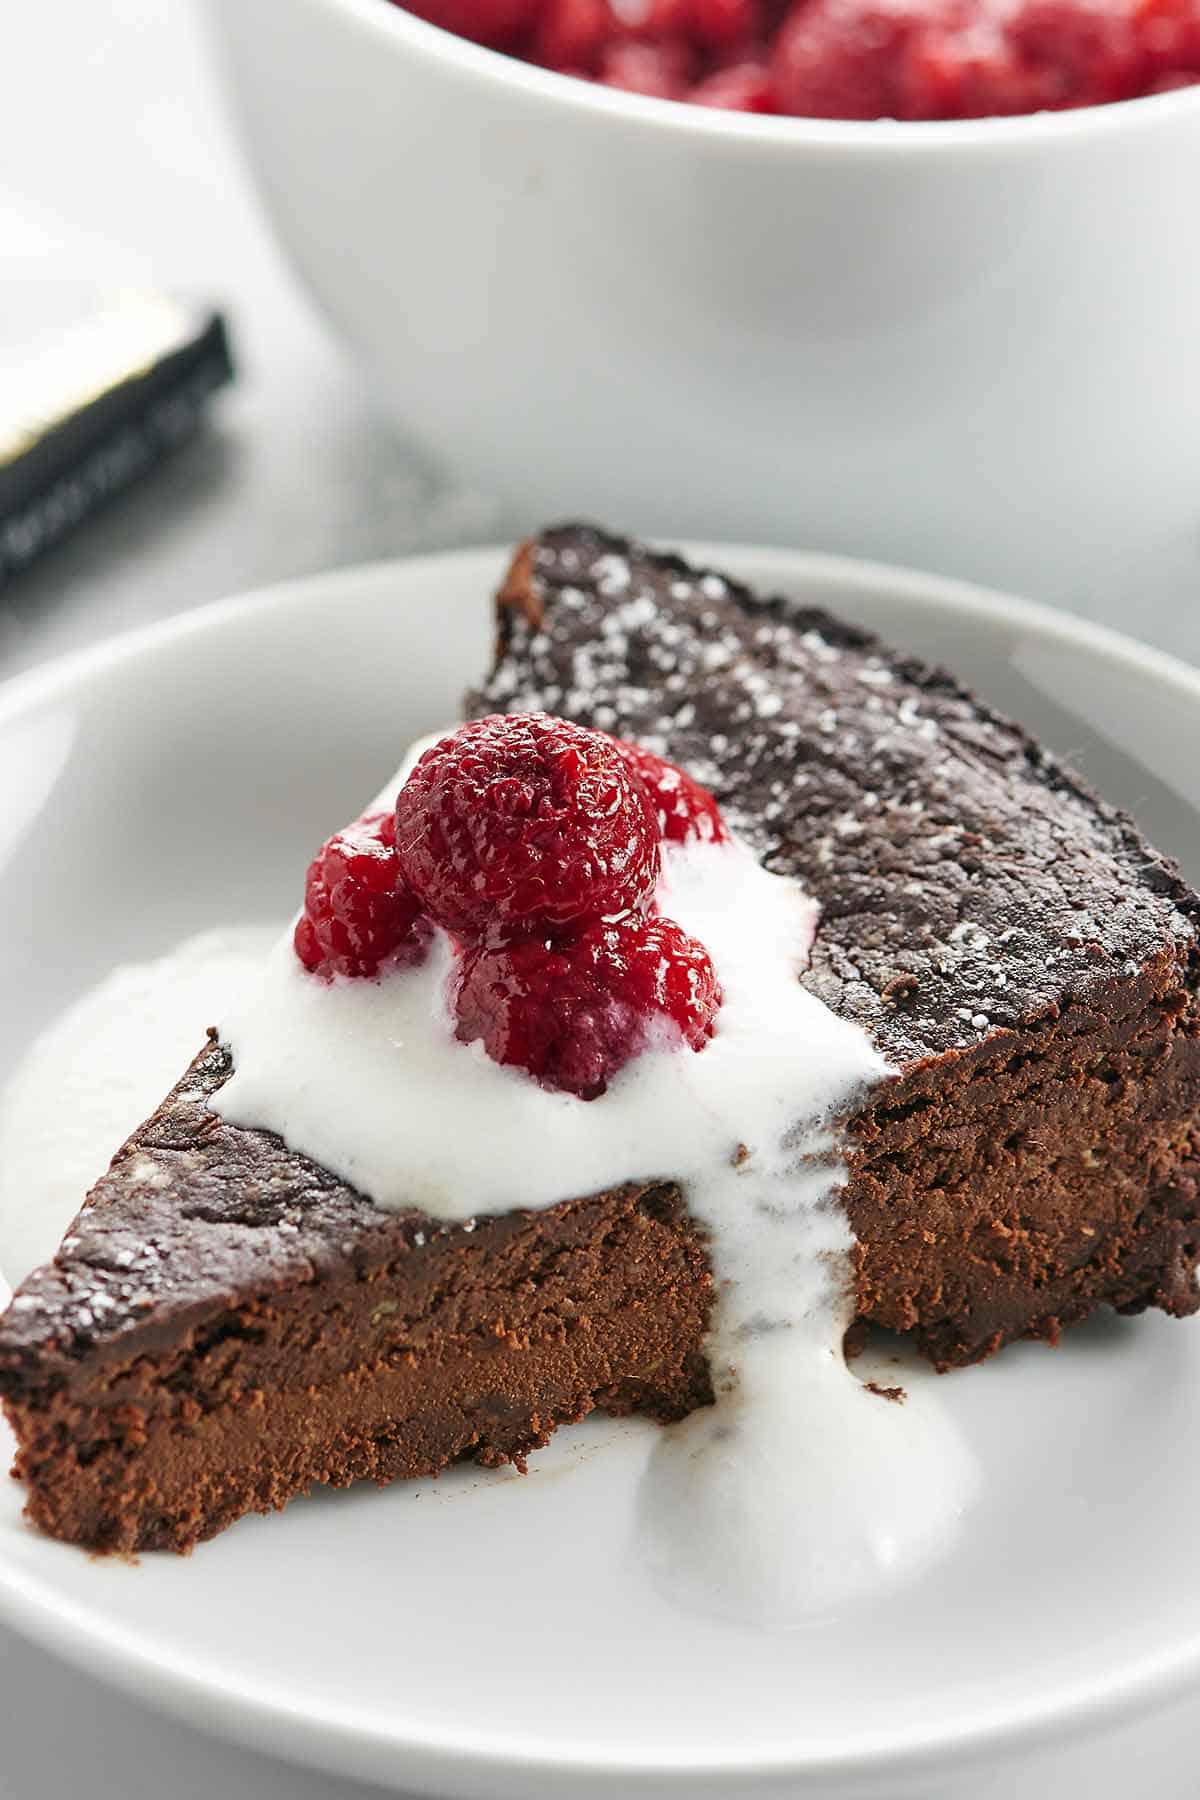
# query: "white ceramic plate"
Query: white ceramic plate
{"points": [[486, 1635]]}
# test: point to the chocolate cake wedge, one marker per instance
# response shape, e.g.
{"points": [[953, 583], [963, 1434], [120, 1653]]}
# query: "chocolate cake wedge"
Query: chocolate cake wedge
{"points": [[228, 1323]]}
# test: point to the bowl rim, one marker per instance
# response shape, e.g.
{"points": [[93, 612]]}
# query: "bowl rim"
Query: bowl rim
{"points": [[391, 22]]}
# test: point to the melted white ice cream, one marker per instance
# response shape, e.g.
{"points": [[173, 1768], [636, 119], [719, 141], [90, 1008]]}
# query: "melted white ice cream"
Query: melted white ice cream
{"points": [[801, 1488]]}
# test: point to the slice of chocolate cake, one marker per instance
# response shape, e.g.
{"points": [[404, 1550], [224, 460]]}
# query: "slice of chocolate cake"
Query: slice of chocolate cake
{"points": [[228, 1323]]}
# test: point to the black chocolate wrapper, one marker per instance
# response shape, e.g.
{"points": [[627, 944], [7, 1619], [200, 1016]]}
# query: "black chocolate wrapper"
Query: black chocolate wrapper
{"points": [[90, 405]]}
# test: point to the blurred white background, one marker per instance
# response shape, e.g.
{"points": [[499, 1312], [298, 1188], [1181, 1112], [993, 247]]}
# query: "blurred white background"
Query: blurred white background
{"points": [[114, 160]]}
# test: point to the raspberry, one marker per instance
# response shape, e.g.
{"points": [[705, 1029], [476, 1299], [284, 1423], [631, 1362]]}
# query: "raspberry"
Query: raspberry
{"points": [[1086, 51], [575, 1011], [662, 20], [724, 24], [1170, 37], [742, 87], [851, 59], [660, 70], [837, 59], [357, 911], [947, 59], [525, 822], [687, 813], [572, 34], [500, 24], [949, 72]]}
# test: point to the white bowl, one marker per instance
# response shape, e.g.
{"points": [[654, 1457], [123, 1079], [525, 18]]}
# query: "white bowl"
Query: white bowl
{"points": [[970, 346]]}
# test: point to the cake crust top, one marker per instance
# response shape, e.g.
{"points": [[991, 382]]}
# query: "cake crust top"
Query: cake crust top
{"points": [[968, 880]]}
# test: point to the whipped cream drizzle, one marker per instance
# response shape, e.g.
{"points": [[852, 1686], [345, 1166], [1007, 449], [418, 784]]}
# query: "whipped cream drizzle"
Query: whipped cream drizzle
{"points": [[368, 1077], [800, 1488]]}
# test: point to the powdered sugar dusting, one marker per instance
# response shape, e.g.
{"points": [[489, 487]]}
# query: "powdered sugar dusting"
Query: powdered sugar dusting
{"points": [[958, 877]]}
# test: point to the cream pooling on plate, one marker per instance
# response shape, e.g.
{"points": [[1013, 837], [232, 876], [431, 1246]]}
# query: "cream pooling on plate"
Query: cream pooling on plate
{"points": [[799, 1487]]}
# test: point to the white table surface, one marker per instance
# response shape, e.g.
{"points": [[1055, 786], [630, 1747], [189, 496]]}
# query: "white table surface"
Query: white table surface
{"points": [[113, 151]]}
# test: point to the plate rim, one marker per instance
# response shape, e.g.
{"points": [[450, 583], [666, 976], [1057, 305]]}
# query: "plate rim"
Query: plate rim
{"points": [[339, 1741]]}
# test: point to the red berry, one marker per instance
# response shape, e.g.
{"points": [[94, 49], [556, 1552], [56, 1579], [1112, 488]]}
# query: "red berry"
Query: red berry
{"points": [[575, 1011], [525, 822], [358, 913], [950, 59], [741, 87], [661, 71], [571, 34], [723, 25], [499, 24], [1085, 51], [687, 813], [1169, 32], [948, 73], [852, 59], [662, 20], [837, 59]]}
